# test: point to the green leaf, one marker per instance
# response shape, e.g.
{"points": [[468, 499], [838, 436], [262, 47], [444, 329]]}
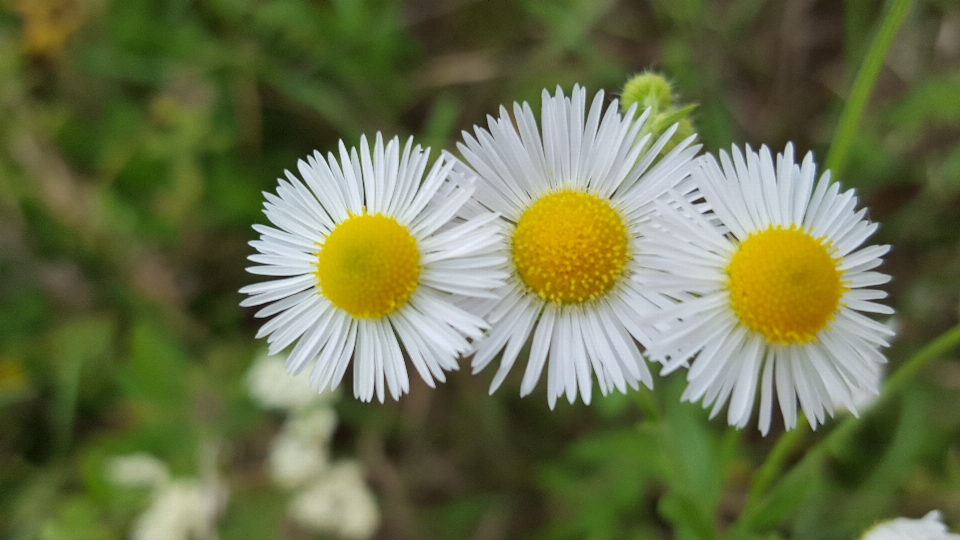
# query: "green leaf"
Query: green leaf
{"points": [[77, 519], [157, 370], [934, 102], [253, 514], [689, 521], [440, 123], [792, 490], [690, 451], [75, 346], [863, 85], [602, 482]]}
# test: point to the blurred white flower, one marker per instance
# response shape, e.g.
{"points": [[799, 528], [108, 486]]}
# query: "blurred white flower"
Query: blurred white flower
{"points": [[331, 498], [339, 503], [294, 460], [271, 387], [301, 450], [313, 424], [185, 509], [137, 470], [930, 527], [181, 510]]}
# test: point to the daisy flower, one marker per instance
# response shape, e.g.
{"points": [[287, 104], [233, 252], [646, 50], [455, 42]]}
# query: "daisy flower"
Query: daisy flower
{"points": [[371, 262], [780, 286], [575, 199]]}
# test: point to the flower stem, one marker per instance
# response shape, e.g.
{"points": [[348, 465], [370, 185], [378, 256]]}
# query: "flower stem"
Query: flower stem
{"points": [[863, 84], [935, 349], [781, 451], [788, 443], [648, 405]]}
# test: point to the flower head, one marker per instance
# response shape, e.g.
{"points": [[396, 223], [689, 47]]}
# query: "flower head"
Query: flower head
{"points": [[575, 198], [370, 261], [776, 285]]}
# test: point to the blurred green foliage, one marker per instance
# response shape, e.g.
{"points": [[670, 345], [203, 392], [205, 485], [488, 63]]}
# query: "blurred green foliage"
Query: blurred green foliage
{"points": [[137, 135]]}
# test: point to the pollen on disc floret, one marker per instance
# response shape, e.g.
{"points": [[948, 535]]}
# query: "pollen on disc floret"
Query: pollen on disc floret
{"points": [[368, 265], [785, 284], [570, 246]]}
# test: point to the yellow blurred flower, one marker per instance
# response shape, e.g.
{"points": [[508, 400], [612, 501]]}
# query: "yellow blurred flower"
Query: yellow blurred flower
{"points": [[46, 25], [12, 378]]}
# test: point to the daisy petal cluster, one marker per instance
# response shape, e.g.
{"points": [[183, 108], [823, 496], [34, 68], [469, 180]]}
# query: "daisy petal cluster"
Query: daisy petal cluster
{"points": [[367, 254], [576, 193], [583, 242], [772, 286]]}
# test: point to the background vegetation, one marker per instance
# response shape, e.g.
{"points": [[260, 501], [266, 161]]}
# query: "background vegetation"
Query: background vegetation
{"points": [[137, 135]]}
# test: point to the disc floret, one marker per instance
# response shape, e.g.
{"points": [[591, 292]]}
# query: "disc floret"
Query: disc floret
{"points": [[785, 284], [570, 246], [368, 265]]}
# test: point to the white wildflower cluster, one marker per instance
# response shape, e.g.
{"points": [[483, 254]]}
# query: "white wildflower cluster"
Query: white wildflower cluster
{"points": [[272, 389], [180, 508], [301, 450], [338, 503], [328, 497], [137, 470]]}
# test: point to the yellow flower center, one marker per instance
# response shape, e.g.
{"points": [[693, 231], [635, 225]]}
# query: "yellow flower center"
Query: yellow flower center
{"points": [[368, 266], [785, 284], [570, 246]]}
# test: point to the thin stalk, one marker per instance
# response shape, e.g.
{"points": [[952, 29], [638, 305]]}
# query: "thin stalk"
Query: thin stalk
{"points": [[932, 351], [775, 461], [782, 450], [863, 85], [648, 405]]}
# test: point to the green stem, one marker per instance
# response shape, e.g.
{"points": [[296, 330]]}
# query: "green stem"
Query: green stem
{"points": [[775, 461], [932, 351], [863, 84], [649, 407], [781, 451]]}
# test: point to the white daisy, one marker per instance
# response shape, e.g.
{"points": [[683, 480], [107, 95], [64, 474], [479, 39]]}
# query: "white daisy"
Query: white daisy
{"points": [[780, 286], [930, 527], [371, 262], [575, 201]]}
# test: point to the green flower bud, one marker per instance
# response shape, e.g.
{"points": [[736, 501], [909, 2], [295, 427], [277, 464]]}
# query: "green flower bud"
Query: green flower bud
{"points": [[653, 90], [647, 89], [684, 130]]}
